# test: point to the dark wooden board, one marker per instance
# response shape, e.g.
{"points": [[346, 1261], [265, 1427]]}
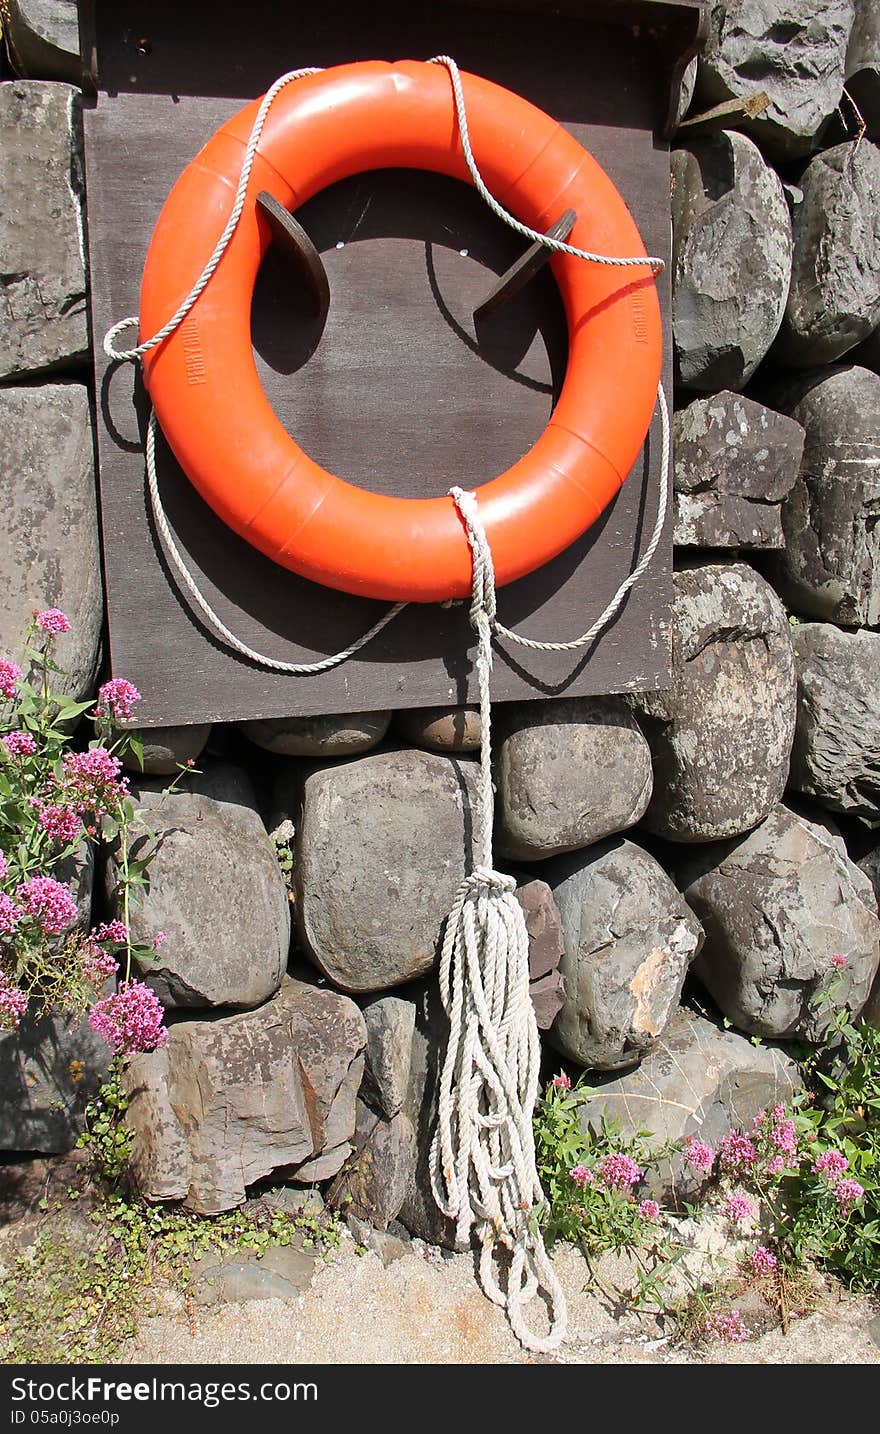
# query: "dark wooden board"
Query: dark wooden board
{"points": [[398, 392]]}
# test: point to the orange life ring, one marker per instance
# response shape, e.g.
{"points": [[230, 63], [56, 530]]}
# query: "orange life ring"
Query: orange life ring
{"points": [[203, 381]]}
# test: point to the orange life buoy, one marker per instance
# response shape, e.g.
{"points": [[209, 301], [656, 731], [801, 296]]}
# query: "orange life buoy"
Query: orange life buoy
{"points": [[203, 381]]}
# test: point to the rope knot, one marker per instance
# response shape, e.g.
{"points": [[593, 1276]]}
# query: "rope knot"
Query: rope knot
{"points": [[486, 878]]}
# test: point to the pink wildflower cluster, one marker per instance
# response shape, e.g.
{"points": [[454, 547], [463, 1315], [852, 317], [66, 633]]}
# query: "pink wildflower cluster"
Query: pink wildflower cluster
{"points": [[115, 931], [52, 620], [830, 1163], [10, 676], [838, 961], [98, 964], [130, 1020], [19, 744], [49, 902], [562, 1081], [13, 1004], [581, 1175], [736, 1154], [762, 1260], [738, 1207], [698, 1154], [649, 1210], [159, 940], [61, 822], [618, 1172], [10, 914], [117, 698], [848, 1193], [91, 781], [729, 1328]]}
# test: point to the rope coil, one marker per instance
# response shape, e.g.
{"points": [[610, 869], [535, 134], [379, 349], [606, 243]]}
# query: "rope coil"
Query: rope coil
{"points": [[483, 1167]]}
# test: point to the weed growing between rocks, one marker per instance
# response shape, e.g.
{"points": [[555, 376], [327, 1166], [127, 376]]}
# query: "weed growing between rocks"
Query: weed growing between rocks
{"points": [[798, 1192], [78, 1291]]}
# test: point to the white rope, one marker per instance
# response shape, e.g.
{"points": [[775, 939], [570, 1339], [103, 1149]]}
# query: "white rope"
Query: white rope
{"points": [[483, 1171], [557, 246], [301, 669]]}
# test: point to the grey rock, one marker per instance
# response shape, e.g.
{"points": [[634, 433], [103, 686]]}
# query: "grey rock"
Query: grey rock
{"points": [[49, 554], [698, 1081], [42, 257], [793, 50], [776, 907], [629, 940], [390, 1022], [342, 736], [440, 729], [44, 39], [567, 773], [233, 1100], [731, 260], [214, 888], [382, 847], [834, 299], [735, 461], [374, 1181], [686, 90], [863, 64], [293, 1200], [721, 735], [282, 1273], [546, 950], [830, 567], [836, 753], [167, 749], [389, 1247], [49, 1070], [419, 1212]]}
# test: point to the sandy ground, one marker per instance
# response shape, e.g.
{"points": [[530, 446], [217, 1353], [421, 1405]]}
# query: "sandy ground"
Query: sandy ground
{"points": [[427, 1309]]}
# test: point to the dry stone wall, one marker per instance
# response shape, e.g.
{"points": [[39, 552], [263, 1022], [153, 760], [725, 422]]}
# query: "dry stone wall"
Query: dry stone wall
{"points": [[303, 876]]}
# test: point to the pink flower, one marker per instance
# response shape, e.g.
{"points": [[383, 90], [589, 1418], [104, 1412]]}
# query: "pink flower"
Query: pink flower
{"points": [[838, 961], [117, 698], [562, 1081], [847, 1193], [159, 940], [93, 779], [830, 1163], [4, 870], [698, 1154], [10, 676], [19, 744], [762, 1260], [10, 914], [738, 1207], [13, 1004], [736, 1153], [61, 822], [728, 1328], [98, 965], [130, 1020], [581, 1175], [52, 620], [49, 902], [784, 1136], [649, 1210], [115, 931], [618, 1172], [774, 1166]]}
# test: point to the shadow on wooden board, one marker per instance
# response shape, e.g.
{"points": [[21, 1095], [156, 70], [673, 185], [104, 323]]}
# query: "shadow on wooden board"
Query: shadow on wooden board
{"points": [[394, 387]]}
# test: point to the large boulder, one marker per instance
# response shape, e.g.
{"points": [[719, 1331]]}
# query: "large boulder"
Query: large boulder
{"points": [[231, 1101], [382, 845], [830, 566], [836, 753], [834, 299], [793, 50], [49, 552], [42, 253], [49, 1070], [792, 933], [729, 220], [698, 1081], [721, 735], [216, 890], [44, 38], [567, 773], [735, 461], [342, 736], [629, 940]]}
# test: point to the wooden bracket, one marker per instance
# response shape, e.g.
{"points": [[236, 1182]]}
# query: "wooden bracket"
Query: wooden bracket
{"points": [[525, 267], [294, 243]]}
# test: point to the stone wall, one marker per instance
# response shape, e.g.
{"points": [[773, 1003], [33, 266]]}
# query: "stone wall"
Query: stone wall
{"points": [[691, 862]]}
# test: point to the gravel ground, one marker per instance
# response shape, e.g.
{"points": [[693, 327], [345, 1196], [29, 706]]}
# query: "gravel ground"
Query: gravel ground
{"points": [[426, 1308]]}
